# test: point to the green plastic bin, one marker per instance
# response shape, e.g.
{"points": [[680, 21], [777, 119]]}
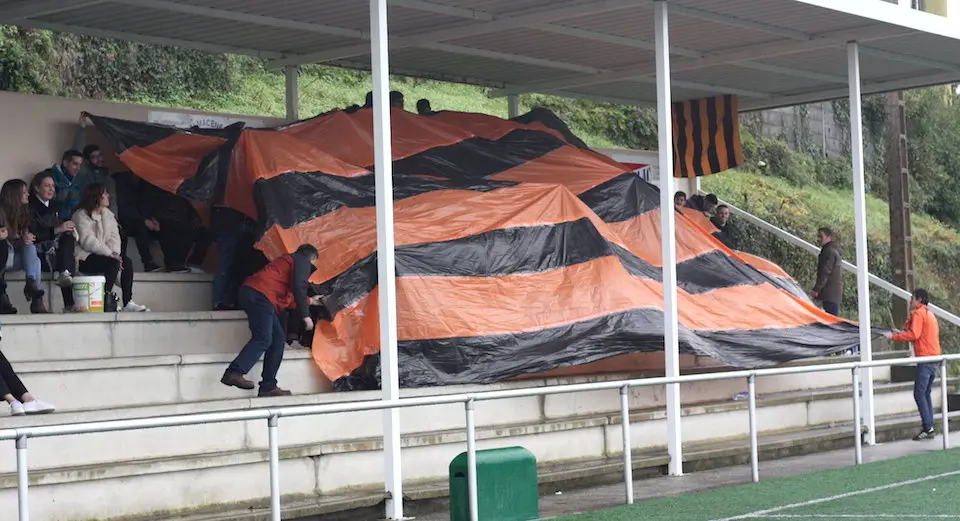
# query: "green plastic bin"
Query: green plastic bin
{"points": [[506, 486]]}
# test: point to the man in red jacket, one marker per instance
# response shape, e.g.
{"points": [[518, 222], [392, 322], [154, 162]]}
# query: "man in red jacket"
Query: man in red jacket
{"points": [[922, 329], [281, 285]]}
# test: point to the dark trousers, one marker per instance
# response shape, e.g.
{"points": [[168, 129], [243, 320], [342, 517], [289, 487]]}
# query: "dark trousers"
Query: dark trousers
{"points": [[9, 381], [831, 307], [110, 268], [176, 241], [57, 255], [922, 386], [141, 235], [267, 338]]}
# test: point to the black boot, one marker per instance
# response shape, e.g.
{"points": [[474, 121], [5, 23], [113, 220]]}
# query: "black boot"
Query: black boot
{"points": [[6, 308], [34, 294], [110, 303]]}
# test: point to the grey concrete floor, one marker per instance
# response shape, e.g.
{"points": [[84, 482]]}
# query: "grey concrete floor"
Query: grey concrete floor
{"points": [[600, 498]]}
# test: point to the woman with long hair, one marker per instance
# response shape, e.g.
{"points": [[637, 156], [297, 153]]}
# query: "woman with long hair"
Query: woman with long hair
{"points": [[14, 201], [55, 234], [98, 247]]}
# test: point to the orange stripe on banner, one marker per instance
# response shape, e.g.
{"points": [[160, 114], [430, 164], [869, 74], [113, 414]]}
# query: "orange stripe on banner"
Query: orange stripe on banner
{"points": [[705, 136], [340, 346], [489, 127], [432, 217], [576, 169], [641, 235], [720, 139], [700, 219], [688, 158], [763, 265], [170, 161], [735, 123]]}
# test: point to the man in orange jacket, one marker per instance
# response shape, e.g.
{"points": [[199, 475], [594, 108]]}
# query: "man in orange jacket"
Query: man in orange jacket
{"points": [[281, 285], [924, 332]]}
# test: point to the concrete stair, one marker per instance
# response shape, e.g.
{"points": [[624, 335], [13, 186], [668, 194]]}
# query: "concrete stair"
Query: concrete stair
{"points": [[165, 292], [213, 466]]}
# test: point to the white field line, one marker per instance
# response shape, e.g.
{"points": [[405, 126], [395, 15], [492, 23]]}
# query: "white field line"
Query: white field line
{"points": [[860, 516], [765, 513]]}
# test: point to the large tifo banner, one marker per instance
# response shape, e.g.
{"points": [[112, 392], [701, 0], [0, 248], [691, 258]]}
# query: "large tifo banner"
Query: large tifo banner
{"points": [[517, 251]]}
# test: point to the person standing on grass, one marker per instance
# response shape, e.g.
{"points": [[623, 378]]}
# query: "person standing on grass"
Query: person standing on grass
{"points": [[923, 331], [281, 285]]}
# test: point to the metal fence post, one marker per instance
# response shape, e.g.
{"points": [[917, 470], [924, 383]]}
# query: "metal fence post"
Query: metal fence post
{"points": [[23, 501], [627, 444], [273, 430], [945, 404], [472, 461], [857, 437], [754, 442]]}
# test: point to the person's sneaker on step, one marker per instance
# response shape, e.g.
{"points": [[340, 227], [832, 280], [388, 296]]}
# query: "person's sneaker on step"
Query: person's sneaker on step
{"points": [[926, 434], [233, 379], [65, 279], [178, 270], [133, 307], [18, 408]]}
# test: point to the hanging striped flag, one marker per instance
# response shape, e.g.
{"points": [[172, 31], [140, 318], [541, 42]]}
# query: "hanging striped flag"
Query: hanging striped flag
{"points": [[706, 136]]}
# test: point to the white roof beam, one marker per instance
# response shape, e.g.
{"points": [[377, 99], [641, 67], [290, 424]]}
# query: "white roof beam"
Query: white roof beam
{"points": [[708, 87], [735, 55], [605, 99], [143, 38], [786, 71], [554, 13], [516, 58], [34, 8], [740, 23], [237, 16], [876, 87], [906, 58]]}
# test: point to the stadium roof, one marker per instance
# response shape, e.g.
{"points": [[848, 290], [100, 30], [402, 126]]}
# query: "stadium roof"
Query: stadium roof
{"points": [[769, 52]]}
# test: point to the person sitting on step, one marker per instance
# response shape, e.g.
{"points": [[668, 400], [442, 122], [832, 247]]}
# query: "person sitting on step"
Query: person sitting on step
{"points": [[16, 394], [56, 236], [21, 242], [98, 247]]}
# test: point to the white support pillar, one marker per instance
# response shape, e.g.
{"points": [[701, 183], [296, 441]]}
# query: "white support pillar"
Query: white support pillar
{"points": [[386, 267], [513, 106], [292, 76], [860, 228], [667, 236]]}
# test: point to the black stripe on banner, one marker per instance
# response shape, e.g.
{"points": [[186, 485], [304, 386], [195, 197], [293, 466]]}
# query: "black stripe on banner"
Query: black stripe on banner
{"points": [[713, 124], [729, 137], [715, 270], [476, 158], [698, 144], [488, 359], [496, 253], [296, 197], [622, 198], [679, 157]]}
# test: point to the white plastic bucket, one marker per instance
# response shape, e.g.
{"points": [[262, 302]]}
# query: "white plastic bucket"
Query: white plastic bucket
{"points": [[88, 293]]}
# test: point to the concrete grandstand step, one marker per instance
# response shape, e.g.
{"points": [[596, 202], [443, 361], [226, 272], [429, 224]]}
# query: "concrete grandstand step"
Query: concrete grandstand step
{"points": [[158, 291], [74, 493], [80, 336], [155, 380], [349, 438]]}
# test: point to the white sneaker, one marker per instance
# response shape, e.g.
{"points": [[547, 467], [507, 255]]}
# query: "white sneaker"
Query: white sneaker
{"points": [[65, 280], [133, 307], [16, 409], [196, 270], [38, 407]]}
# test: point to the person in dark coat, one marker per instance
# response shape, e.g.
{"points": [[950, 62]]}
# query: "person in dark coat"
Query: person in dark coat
{"points": [[132, 221], [264, 296], [829, 286], [55, 234], [726, 232]]}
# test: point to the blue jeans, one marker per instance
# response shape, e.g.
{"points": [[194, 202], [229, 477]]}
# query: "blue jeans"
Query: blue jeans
{"points": [[268, 338], [222, 282], [831, 307], [25, 258], [922, 386]]}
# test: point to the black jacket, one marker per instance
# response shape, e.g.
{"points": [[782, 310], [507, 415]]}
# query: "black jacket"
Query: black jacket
{"points": [[829, 284], [44, 219], [727, 234]]}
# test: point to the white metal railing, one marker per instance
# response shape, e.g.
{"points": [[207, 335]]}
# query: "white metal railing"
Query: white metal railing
{"points": [[797, 241], [273, 415]]}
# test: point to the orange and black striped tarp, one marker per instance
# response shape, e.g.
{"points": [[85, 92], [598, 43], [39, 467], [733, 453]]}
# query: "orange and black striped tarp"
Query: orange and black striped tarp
{"points": [[706, 136], [516, 251]]}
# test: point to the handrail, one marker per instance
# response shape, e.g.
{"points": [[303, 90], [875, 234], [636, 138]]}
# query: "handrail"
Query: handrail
{"points": [[852, 268], [273, 415]]}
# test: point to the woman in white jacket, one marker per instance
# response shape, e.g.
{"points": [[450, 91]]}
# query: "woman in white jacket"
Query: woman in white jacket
{"points": [[98, 246]]}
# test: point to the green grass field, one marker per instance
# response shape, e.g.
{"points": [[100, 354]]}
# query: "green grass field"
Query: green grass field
{"points": [[920, 487]]}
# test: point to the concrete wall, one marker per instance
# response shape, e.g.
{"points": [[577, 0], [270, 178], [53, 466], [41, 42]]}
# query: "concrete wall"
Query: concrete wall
{"points": [[805, 128], [40, 128]]}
